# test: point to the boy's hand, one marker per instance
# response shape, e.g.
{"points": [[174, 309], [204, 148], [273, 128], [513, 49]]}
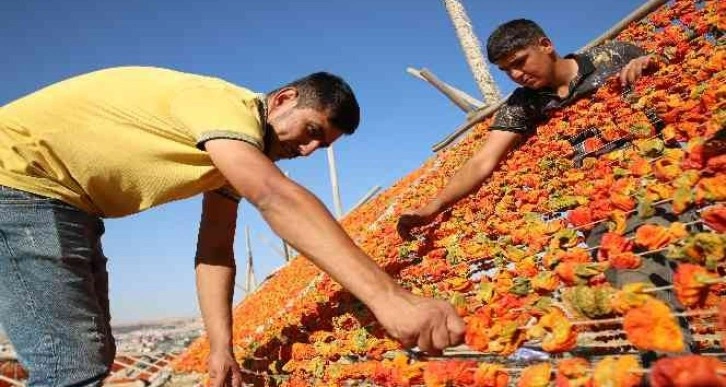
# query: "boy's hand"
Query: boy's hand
{"points": [[635, 68], [412, 219]]}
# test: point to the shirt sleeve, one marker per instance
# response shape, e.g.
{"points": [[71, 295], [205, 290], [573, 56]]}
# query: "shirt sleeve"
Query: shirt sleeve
{"points": [[211, 112], [229, 192], [517, 114]]}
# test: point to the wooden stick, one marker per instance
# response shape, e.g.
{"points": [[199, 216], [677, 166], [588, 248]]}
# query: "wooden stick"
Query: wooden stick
{"points": [[635, 210], [598, 336], [710, 312], [720, 280], [656, 289], [714, 281]]}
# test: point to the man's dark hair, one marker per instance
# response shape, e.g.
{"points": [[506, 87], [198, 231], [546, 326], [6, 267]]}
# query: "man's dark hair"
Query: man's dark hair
{"points": [[328, 93], [512, 36]]}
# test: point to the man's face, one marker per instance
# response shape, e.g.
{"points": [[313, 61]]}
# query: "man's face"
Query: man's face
{"points": [[532, 66], [297, 131]]}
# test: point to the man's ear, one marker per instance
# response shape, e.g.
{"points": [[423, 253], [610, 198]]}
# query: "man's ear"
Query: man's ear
{"points": [[545, 45], [284, 96]]}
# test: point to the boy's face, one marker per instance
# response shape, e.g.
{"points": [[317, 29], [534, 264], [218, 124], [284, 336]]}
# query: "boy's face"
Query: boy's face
{"points": [[532, 66]]}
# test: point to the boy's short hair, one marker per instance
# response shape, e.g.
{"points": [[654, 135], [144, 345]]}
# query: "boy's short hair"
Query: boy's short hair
{"points": [[512, 36], [328, 93]]}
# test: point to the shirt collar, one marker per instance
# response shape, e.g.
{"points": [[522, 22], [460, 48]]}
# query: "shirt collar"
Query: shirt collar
{"points": [[262, 108], [585, 67], [262, 111]]}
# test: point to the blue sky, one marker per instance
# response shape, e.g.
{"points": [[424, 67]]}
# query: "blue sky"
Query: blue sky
{"points": [[260, 45]]}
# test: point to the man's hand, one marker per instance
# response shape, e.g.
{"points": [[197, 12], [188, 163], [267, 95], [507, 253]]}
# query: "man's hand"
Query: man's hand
{"points": [[223, 370], [430, 324], [413, 219], [634, 69]]}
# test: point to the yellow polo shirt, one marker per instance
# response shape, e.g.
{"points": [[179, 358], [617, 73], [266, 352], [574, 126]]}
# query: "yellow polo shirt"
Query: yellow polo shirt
{"points": [[118, 141]]}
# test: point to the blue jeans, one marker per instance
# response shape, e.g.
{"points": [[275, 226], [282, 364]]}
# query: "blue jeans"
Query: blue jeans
{"points": [[54, 290]]}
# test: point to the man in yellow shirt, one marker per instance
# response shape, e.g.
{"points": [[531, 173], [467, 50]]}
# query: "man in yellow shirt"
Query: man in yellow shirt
{"points": [[118, 141]]}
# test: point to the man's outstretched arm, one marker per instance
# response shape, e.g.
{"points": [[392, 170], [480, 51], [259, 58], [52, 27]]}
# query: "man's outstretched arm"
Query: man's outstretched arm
{"points": [[300, 218], [466, 180]]}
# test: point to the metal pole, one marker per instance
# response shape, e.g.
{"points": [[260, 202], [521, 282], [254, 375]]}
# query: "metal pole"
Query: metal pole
{"points": [[636, 15], [271, 245], [372, 192], [479, 115], [334, 183], [286, 251], [240, 287], [250, 282]]}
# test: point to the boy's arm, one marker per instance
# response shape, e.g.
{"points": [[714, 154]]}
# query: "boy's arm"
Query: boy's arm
{"points": [[466, 180]]}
